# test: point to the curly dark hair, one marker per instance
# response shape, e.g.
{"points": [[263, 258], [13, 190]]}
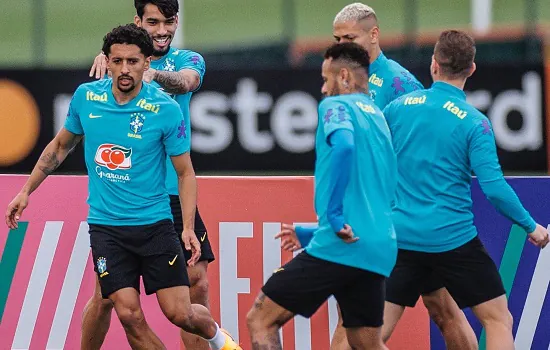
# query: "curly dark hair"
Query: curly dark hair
{"points": [[350, 53], [169, 8], [455, 52], [129, 34]]}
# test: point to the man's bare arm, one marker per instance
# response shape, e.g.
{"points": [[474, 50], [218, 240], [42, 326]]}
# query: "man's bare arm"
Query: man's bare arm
{"points": [[187, 188], [178, 82], [53, 155]]}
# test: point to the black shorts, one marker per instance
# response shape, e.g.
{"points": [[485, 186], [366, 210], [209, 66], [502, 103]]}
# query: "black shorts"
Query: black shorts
{"points": [[305, 283], [124, 253], [200, 230], [468, 273]]}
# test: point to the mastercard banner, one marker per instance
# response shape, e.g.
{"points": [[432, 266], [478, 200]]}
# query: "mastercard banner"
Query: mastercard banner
{"points": [[46, 271]]}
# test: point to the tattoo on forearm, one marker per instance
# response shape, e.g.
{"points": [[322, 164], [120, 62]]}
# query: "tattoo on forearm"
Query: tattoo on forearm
{"points": [[172, 82], [48, 163]]}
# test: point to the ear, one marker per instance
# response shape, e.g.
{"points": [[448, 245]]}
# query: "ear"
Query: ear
{"points": [[375, 34], [473, 69], [177, 20], [147, 63], [137, 21], [434, 66], [344, 75]]}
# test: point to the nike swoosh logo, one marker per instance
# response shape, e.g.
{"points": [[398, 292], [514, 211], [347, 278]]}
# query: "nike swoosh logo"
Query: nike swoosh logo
{"points": [[173, 261], [203, 237], [279, 270], [94, 116]]}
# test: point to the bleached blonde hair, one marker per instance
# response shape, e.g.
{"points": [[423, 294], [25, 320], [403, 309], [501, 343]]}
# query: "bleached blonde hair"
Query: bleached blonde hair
{"points": [[354, 12]]}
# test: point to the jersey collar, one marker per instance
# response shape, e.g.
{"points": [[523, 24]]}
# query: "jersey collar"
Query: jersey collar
{"points": [[378, 63], [449, 89]]}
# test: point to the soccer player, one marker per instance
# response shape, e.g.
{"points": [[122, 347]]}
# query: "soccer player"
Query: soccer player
{"points": [[388, 80], [440, 140], [131, 231], [179, 73], [353, 248]]}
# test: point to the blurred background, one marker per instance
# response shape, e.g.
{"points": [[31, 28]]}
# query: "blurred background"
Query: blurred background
{"points": [[256, 112]]}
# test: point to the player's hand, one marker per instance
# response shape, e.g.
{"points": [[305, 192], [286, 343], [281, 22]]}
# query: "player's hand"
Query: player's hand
{"points": [[289, 239], [99, 68], [191, 243], [149, 75], [539, 237], [15, 209], [347, 235]]}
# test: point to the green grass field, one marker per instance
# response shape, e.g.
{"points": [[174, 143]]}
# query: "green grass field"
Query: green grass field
{"points": [[74, 29]]}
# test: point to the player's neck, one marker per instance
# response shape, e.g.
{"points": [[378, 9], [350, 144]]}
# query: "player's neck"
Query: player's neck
{"points": [[123, 98], [458, 83], [374, 52]]}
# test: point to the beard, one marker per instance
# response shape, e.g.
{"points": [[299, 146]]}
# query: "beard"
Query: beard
{"points": [[126, 88], [333, 92], [160, 53]]}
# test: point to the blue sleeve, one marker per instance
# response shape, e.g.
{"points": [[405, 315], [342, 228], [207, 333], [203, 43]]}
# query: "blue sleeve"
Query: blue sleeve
{"points": [[73, 123], [341, 159], [305, 234], [194, 61], [484, 162], [177, 139], [334, 115], [402, 83]]}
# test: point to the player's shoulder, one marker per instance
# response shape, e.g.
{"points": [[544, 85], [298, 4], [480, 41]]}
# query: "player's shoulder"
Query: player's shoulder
{"points": [[345, 100], [94, 91], [187, 55], [157, 96], [413, 98], [394, 69]]}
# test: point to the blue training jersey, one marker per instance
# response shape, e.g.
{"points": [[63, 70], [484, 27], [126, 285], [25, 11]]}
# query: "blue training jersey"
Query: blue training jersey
{"points": [[174, 61], [440, 140], [369, 193], [388, 80], [125, 149]]}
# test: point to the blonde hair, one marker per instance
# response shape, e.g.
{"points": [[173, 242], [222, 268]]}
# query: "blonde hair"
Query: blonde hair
{"points": [[354, 12]]}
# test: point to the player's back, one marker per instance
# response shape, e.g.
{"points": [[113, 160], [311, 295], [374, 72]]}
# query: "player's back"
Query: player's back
{"points": [[431, 131], [125, 150], [368, 195]]}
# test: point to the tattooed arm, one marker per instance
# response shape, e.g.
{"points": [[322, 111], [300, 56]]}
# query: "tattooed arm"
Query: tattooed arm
{"points": [[177, 82], [52, 156]]}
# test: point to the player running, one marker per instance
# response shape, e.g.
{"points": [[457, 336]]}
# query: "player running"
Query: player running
{"points": [[440, 140], [131, 231], [388, 80], [179, 73], [354, 247]]}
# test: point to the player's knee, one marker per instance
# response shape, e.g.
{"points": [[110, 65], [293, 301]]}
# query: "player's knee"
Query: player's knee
{"points": [[498, 318], [199, 290], [131, 317], [99, 304]]}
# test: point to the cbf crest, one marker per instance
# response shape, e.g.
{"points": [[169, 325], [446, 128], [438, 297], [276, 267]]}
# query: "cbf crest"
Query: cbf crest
{"points": [[136, 125], [102, 267]]}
